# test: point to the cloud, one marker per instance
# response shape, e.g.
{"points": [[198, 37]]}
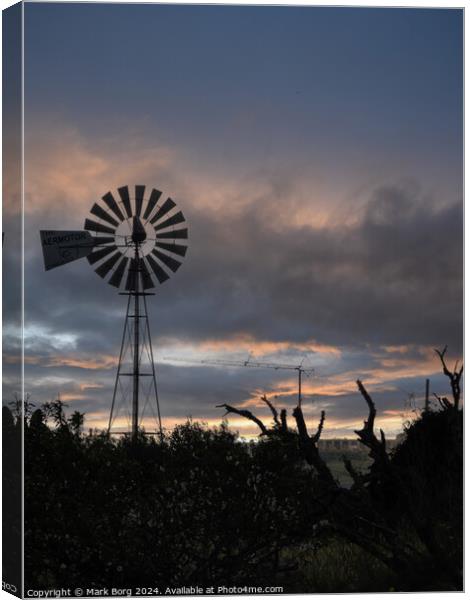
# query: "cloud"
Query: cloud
{"points": [[364, 289]]}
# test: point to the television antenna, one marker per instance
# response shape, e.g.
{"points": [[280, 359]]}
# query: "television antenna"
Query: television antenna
{"points": [[409, 404], [252, 364], [134, 243]]}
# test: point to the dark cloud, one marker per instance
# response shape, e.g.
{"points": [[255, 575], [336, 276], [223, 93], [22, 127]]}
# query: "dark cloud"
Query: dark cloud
{"points": [[392, 276], [395, 277]]}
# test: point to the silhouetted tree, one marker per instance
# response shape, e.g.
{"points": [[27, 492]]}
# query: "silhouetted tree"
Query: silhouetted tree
{"points": [[380, 512]]}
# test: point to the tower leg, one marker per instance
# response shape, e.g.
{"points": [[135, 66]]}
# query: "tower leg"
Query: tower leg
{"points": [[154, 376], [121, 352]]}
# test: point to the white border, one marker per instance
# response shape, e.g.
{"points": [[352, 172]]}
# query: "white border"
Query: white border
{"points": [[348, 3]]}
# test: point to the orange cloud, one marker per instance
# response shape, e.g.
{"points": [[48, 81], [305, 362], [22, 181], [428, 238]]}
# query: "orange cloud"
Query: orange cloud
{"points": [[15, 359], [396, 349], [72, 397], [91, 386], [260, 348], [104, 362], [66, 170]]}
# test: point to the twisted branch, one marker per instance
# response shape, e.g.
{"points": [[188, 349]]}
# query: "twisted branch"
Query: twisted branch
{"points": [[316, 437], [283, 420], [273, 410], [454, 377], [245, 413], [367, 436], [309, 448]]}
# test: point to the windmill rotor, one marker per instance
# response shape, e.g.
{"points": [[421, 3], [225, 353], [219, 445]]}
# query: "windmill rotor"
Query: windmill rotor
{"points": [[121, 221]]}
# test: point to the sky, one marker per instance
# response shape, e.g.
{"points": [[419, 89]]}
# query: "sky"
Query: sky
{"points": [[317, 156]]}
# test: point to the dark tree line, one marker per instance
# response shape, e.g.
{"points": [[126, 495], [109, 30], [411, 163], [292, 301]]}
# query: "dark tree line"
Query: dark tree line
{"points": [[202, 507]]}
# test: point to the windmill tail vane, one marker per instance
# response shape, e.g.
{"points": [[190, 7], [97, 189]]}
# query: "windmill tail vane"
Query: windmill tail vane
{"points": [[134, 241]]}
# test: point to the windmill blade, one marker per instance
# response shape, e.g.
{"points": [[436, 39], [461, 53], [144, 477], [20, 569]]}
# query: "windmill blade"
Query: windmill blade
{"points": [[62, 247], [146, 279], [179, 234], [174, 220], [100, 241], [164, 208], [111, 203], [124, 193], [139, 198], [154, 198], [180, 250], [99, 254], [99, 212], [171, 263], [132, 275], [118, 274], [106, 267], [161, 275], [98, 227]]}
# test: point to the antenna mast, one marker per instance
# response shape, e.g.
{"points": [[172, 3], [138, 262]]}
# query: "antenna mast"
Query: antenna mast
{"points": [[257, 365]]}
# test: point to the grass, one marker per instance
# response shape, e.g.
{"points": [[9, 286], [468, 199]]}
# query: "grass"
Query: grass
{"points": [[360, 461], [338, 567]]}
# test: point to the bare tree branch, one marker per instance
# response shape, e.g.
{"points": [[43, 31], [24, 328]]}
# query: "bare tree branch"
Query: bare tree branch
{"points": [[309, 449], [272, 409], [316, 437], [444, 402], [299, 419], [283, 420], [454, 377], [355, 476], [369, 423], [366, 434], [247, 414], [441, 354]]}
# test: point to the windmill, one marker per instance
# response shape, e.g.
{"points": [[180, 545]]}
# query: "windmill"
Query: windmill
{"points": [[134, 241]]}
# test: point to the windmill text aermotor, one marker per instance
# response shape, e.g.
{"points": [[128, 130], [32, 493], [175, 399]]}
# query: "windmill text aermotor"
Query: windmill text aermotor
{"points": [[55, 239]]}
